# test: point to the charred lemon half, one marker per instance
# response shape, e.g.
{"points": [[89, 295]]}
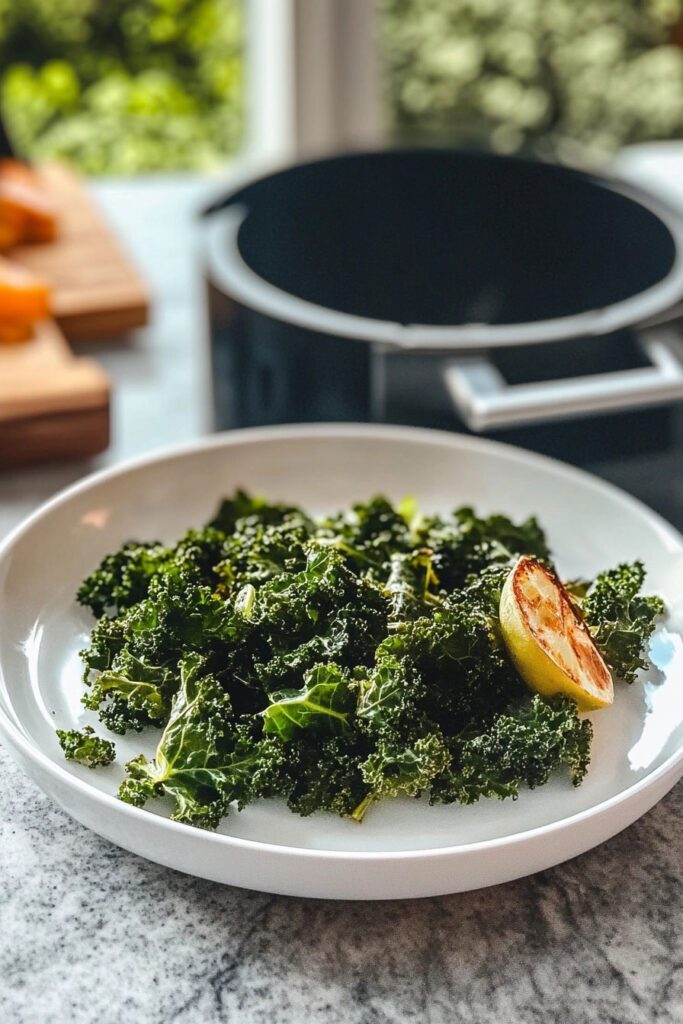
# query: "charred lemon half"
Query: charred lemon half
{"points": [[548, 641]]}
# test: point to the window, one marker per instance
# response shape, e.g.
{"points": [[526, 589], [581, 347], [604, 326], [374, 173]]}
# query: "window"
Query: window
{"points": [[557, 76], [123, 86]]}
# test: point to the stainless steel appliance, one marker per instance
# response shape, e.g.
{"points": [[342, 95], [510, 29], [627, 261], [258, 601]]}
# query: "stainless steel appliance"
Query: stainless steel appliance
{"points": [[512, 298]]}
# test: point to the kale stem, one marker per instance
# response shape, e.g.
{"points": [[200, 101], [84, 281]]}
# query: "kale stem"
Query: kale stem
{"points": [[359, 813]]}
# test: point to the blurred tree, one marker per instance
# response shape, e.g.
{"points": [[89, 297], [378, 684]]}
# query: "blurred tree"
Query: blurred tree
{"points": [[559, 76], [122, 86]]}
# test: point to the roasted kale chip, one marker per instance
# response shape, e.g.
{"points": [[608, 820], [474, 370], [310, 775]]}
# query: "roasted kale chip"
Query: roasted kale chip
{"points": [[369, 534], [324, 704], [467, 543], [123, 579], [133, 695], [336, 662], [202, 761], [325, 775], [232, 512], [622, 620], [521, 747], [85, 747], [402, 769]]}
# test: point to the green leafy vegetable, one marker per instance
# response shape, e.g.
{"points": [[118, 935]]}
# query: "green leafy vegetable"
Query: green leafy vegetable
{"points": [[396, 769], [188, 765], [133, 696], [85, 747], [621, 619], [521, 747], [467, 543], [324, 703], [336, 662]]}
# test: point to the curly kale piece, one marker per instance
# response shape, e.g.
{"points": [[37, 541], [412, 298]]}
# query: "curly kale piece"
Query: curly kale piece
{"points": [[441, 671], [247, 506], [468, 543], [202, 761], [400, 769], [457, 655], [178, 614], [85, 747], [391, 701], [369, 534], [325, 775], [346, 636], [324, 703], [121, 579], [322, 613], [521, 747], [258, 550], [411, 585], [621, 619], [133, 695]]}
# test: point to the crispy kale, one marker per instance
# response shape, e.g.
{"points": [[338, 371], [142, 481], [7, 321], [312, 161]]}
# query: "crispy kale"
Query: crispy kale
{"points": [[450, 664], [121, 579], [622, 620], [335, 662], [325, 775], [202, 761], [467, 543], [242, 508], [323, 704], [399, 769], [85, 747], [137, 653], [131, 696], [369, 534], [521, 747]]}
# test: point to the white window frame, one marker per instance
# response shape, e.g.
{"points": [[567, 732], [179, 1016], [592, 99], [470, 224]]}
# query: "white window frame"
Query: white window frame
{"points": [[312, 79]]}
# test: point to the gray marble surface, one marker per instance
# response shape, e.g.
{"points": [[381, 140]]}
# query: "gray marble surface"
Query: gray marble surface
{"points": [[91, 933]]}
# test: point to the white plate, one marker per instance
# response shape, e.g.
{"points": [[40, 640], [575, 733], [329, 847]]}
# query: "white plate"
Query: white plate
{"points": [[405, 848]]}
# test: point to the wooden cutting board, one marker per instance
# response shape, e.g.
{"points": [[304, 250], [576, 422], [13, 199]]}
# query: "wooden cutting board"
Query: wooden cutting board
{"points": [[54, 404], [97, 291]]}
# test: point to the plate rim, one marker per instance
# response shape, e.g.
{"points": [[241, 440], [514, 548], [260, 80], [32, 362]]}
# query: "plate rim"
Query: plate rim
{"points": [[35, 754]]}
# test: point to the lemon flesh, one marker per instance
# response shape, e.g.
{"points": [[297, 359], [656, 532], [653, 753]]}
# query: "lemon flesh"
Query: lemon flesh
{"points": [[548, 641]]}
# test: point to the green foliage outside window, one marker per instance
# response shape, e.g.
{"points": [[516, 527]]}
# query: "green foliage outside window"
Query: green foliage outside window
{"points": [[552, 75], [123, 86]]}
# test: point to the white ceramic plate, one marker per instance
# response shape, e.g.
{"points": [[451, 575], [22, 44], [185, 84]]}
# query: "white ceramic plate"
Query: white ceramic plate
{"points": [[405, 848]]}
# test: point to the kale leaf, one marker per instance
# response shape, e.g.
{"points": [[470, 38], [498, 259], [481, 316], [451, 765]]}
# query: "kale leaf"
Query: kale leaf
{"points": [[622, 620], [467, 543], [523, 746], [369, 534], [399, 769], [122, 578], [85, 747], [132, 696], [323, 703], [202, 762]]}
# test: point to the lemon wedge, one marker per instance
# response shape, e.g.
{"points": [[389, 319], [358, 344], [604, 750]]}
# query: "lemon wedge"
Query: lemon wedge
{"points": [[548, 641]]}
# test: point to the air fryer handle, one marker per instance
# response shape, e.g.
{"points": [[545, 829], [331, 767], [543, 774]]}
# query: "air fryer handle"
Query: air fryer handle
{"points": [[484, 400]]}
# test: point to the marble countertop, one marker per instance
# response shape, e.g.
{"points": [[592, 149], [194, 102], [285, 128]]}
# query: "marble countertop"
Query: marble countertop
{"points": [[91, 933]]}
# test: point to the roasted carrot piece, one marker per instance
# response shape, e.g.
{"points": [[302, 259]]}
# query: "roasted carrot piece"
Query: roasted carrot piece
{"points": [[12, 224], [13, 331], [23, 201], [22, 295]]}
